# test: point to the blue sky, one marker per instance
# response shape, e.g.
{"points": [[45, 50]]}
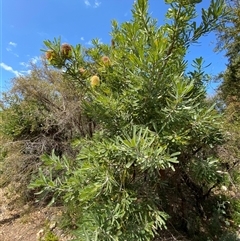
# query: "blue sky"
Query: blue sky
{"points": [[25, 24]]}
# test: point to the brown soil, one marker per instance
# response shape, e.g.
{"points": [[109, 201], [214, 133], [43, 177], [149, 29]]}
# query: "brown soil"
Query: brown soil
{"points": [[26, 222]]}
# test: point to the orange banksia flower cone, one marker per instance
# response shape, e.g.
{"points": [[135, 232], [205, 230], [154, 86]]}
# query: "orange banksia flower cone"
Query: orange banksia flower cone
{"points": [[106, 61], [66, 50], [50, 55]]}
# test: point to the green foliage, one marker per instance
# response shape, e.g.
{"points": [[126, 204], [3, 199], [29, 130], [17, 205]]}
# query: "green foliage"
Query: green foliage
{"points": [[153, 149], [148, 159], [101, 187], [48, 236]]}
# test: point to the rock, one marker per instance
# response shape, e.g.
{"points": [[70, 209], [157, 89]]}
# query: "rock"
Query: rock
{"points": [[39, 234]]}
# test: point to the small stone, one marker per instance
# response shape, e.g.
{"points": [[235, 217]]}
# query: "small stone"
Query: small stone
{"points": [[52, 225], [40, 234]]}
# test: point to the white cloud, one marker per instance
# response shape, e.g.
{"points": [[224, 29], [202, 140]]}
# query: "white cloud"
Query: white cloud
{"points": [[43, 34], [35, 59], [87, 3], [96, 4], [12, 44], [24, 64], [10, 69], [82, 38], [27, 65], [9, 48], [89, 42], [26, 71]]}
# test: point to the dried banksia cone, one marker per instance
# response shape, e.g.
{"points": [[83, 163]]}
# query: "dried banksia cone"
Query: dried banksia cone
{"points": [[113, 43], [66, 50], [95, 81], [50, 55], [106, 61]]}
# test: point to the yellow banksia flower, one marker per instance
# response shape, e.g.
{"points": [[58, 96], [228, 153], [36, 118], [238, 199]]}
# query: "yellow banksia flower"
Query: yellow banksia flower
{"points": [[95, 81], [106, 61], [66, 50]]}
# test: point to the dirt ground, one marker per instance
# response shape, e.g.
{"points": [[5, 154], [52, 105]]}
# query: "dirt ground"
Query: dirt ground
{"points": [[28, 223], [25, 223]]}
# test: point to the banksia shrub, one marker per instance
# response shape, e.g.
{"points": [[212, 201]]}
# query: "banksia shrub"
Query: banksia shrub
{"points": [[148, 161], [95, 81]]}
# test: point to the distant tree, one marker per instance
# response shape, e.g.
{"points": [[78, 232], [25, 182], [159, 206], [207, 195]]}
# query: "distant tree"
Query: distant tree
{"points": [[229, 41], [229, 90], [41, 113], [228, 97]]}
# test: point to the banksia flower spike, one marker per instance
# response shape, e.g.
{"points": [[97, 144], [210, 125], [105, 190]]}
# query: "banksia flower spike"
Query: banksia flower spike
{"points": [[82, 70], [106, 61], [66, 50], [94, 81], [50, 55]]}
